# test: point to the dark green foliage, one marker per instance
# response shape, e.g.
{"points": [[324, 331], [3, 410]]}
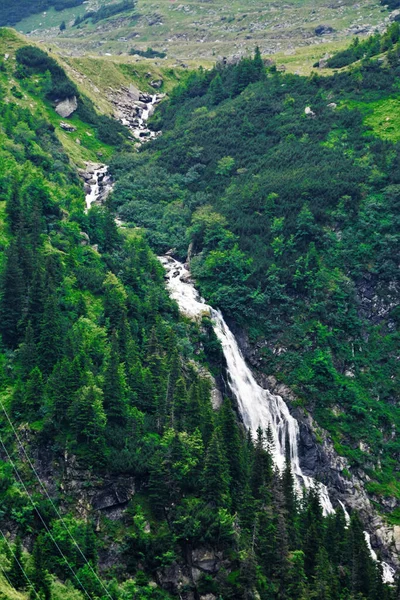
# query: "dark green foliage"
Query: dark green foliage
{"points": [[103, 377], [34, 60], [291, 232], [107, 11], [365, 49], [11, 14], [16, 574], [149, 53]]}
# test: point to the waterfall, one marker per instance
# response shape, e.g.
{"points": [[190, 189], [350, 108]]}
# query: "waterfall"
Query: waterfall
{"points": [[99, 185], [257, 406]]}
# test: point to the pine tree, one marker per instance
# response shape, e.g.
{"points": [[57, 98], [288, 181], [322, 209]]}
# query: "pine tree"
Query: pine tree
{"points": [[215, 475], [233, 447], [11, 299], [296, 576], [40, 576], [217, 90], [33, 393], [258, 64], [290, 502], [15, 574], [27, 353], [13, 206], [114, 387], [51, 339], [87, 420]]}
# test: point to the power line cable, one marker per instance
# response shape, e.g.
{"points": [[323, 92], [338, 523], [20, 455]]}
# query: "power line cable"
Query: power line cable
{"points": [[52, 503], [20, 566], [43, 521]]}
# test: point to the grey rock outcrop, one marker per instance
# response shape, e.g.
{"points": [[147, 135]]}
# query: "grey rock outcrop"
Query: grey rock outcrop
{"points": [[67, 107], [67, 127], [323, 30]]}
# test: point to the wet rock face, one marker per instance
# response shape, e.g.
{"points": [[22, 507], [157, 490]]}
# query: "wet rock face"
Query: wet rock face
{"points": [[133, 108], [67, 107]]}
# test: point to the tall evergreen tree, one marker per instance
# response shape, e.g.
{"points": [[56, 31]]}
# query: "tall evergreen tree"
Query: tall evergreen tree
{"points": [[215, 475]]}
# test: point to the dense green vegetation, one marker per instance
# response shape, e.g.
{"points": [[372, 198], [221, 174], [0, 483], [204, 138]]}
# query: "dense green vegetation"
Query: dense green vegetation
{"points": [[55, 85], [13, 12], [100, 376], [373, 45], [106, 11], [293, 220]]}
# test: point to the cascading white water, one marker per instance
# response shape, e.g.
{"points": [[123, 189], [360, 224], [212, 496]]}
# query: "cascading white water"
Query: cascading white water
{"points": [[99, 187], [387, 571], [258, 407]]}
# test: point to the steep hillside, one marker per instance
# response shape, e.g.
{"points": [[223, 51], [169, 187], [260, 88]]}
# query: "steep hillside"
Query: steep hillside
{"points": [[290, 206], [119, 477]]}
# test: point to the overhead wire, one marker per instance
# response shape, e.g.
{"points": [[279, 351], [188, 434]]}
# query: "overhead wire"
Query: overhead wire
{"points": [[87, 562], [19, 565], [43, 521]]}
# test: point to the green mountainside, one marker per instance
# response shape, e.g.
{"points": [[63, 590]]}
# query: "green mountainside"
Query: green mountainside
{"points": [[120, 477], [290, 204]]}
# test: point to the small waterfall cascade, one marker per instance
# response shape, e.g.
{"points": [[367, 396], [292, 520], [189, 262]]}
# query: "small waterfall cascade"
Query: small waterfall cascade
{"points": [[258, 407], [98, 186], [136, 119]]}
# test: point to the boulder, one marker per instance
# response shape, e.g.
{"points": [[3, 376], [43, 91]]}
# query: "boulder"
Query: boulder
{"points": [[323, 30], [67, 107], [205, 560], [156, 83], [85, 241], [67, 127]]}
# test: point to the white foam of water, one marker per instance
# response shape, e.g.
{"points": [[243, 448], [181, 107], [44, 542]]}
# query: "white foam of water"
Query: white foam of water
{"points": [[100, 178], [388, 571]]}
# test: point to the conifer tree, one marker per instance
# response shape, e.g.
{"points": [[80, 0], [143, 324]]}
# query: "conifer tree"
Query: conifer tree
{"points": [[33, 393], [114, 387], [11, 299], [51, 339], [217, 90], [27, 353], [40, 576], [233, 447], [215, 475], [15, 574]]}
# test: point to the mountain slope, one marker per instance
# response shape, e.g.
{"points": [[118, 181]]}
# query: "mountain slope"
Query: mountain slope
{"points": [[206, 30], [140, 487], [289, 205]]}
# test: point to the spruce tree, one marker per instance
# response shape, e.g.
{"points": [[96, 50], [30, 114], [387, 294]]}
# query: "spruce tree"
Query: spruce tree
{"points": [[11, 298], [215, 474], [217, 90], [114, 387], [233, 447], [16, 574]]}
